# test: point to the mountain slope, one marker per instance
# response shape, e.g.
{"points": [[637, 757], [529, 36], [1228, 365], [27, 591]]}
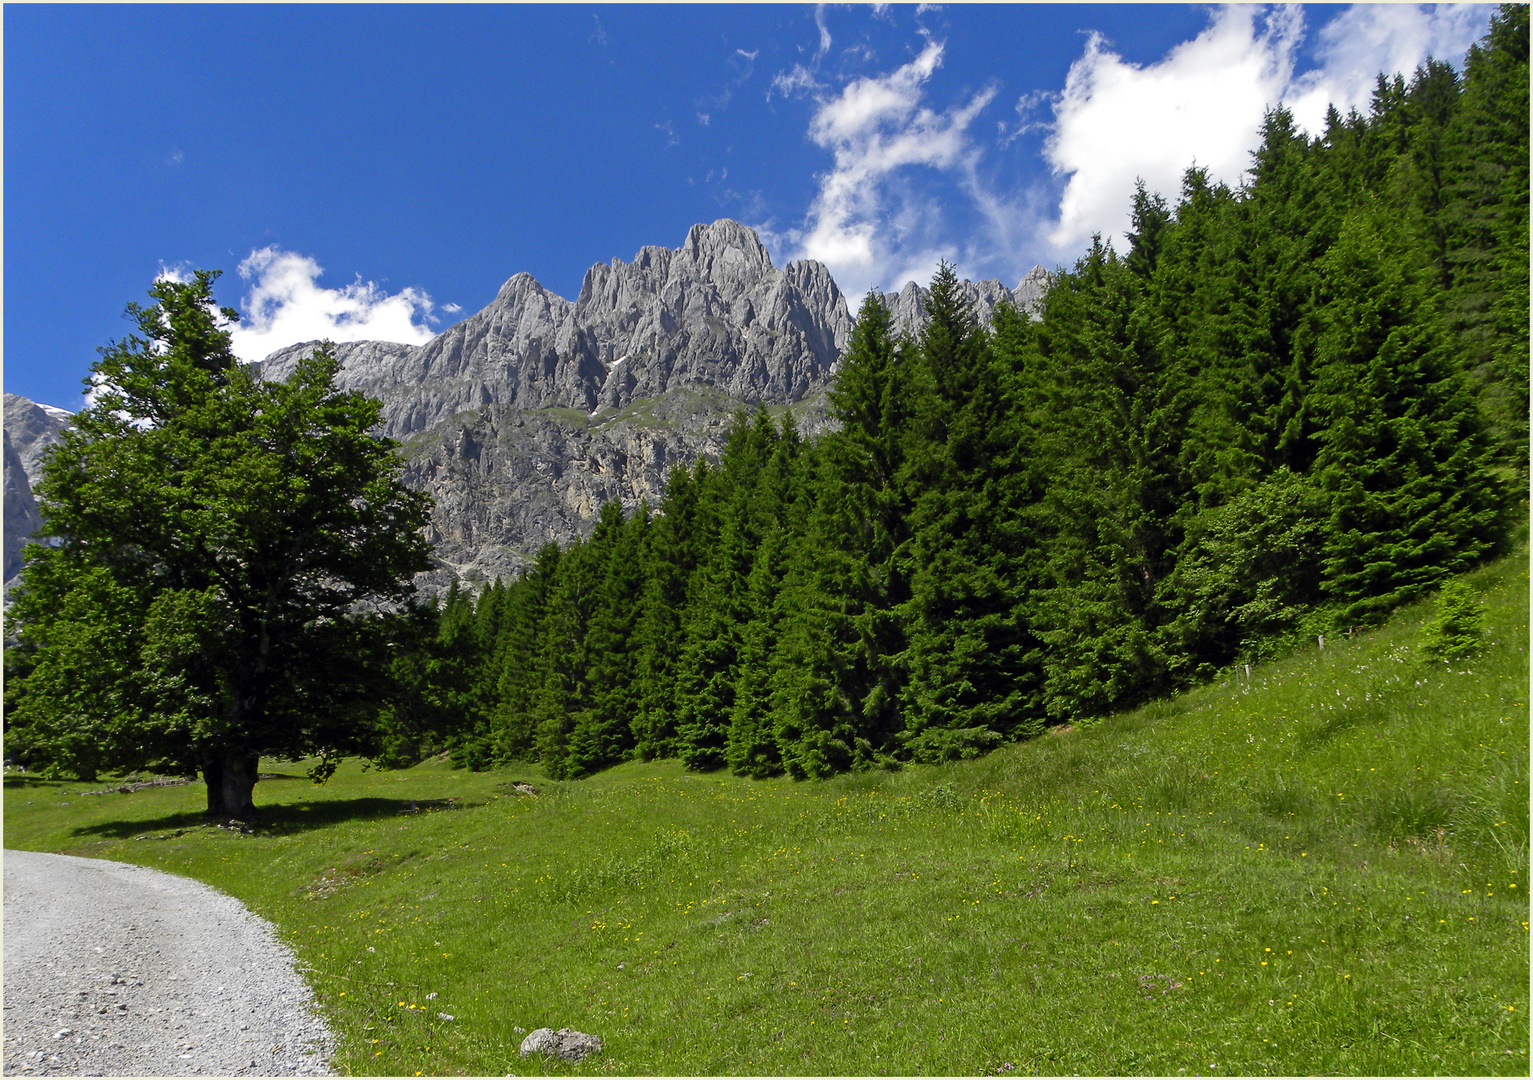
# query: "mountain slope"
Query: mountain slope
{"points": [[523, 419], [29, 430]]}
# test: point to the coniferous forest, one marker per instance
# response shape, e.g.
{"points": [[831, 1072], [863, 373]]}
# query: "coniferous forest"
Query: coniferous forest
{"points": [[1285, 409]]}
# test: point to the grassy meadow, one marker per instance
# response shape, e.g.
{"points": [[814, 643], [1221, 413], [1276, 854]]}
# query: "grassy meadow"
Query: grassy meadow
{"points": [[1321, 867]]}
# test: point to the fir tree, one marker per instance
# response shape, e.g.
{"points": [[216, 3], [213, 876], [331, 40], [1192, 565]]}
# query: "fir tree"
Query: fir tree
{"points": [[516, 661], [603, 730], [1404, 458], [966, 651]]}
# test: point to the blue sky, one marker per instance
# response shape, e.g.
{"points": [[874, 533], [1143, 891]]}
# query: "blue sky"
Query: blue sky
{"points": [[379, 171]]}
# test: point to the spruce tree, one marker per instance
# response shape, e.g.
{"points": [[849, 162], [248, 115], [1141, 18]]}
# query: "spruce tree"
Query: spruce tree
{"points": [[679, 539], [603, 729], [517, 659], [1404, 458], [1101, 442], [966, 652], [563, 657], [835, 666], [718, 612]]}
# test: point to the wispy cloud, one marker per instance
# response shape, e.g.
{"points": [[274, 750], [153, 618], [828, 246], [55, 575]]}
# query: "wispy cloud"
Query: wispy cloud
{"points": [[285, 304], [871, 222], [797, 79]]}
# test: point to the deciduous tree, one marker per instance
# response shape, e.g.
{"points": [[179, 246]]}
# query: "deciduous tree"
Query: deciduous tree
{"points": [[211, 540]]}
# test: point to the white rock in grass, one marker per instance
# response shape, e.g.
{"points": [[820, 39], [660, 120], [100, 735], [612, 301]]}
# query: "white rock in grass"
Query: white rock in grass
{"points": [[566, 1043]]}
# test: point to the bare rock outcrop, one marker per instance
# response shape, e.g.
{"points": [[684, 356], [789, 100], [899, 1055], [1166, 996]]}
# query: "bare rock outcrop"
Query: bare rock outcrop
{"points": [[713, 312], [908, 306], [30, 429]]}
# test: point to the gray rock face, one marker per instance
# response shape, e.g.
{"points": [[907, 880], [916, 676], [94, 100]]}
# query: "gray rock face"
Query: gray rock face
{"points": [[908, 306], [1030, 291], [522, 420], [566, 1043], [30, 429], [714, 312], [506, 481]]}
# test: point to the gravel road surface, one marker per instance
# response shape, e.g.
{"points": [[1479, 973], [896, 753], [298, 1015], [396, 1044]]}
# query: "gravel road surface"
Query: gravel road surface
{"points": [[118, 970]]}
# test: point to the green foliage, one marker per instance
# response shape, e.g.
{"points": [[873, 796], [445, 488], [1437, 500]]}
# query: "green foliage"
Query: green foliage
{"points": [[1320, 869], [1250, 572], [1403, 458], [208, 538], [1458, 630], [1289, 409]]}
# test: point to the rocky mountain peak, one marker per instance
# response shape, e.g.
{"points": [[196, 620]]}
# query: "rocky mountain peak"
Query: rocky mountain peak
{"points": [[712, 312], [908, 306], [525, 417], [728, 255], [29, 430]]}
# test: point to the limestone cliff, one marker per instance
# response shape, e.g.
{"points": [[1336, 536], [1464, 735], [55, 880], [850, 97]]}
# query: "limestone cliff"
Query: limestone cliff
{"points": [[29, 430], [522, 420]]}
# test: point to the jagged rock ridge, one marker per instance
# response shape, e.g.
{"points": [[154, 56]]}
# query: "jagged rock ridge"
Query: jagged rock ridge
{"points": [[908, 306], [29, 430], [522, 420], [714, 312]]}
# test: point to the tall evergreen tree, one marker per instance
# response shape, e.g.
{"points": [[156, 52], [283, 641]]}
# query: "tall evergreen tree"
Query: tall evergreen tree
{"points": [[679, 540], [564, 656], [513, 722], [1101, 439], [836, 675], [1486, 222], [1404, 457], [965, 653], [718, 612], [603, 729]]}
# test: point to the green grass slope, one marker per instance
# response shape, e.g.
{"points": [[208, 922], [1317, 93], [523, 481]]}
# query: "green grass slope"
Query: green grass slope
{"points": [[1321, 868]]}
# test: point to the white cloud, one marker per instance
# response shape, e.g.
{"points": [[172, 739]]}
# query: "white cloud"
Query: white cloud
{"points": [[798, 78], [819, 21], [1369, 38], [287, 305], [867, 223], [912, 181], [1203, 103]]}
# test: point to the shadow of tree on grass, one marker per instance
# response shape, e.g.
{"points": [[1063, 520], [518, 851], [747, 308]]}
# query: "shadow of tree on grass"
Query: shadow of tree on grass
{"points": [[277, 819], [22, 782]]}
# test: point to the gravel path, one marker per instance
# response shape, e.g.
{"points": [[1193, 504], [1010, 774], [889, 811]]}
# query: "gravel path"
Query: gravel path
{"points": [[118, 970]]}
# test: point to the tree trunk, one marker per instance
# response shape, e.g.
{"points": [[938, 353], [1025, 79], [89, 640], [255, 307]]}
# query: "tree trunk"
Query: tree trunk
{"points": [[230, 773]]}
